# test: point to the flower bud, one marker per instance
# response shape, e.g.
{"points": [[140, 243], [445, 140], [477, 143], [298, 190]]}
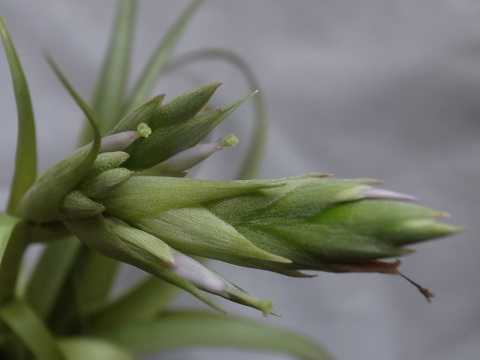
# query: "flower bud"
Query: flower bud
{"points": [[119, 141], [99, 186], [205, 279], [178, 164], [169, 140], [78, 206], [321, 223], [107, 161]]}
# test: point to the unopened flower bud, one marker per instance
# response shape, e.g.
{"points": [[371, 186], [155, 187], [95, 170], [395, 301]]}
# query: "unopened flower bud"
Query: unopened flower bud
{"points": [[107, 161], [179, 164], [77, 206], [165, 142], [205, 279], [99, 186]]}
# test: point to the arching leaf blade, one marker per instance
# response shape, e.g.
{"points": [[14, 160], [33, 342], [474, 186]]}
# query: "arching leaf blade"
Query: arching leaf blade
{"points": [[112, 80], [26, 154], [187, 329], [161, 57], [33, 333], [80, 348]]}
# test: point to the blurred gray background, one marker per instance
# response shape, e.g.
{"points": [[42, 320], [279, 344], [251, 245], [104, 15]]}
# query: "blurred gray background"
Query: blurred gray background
{"points": [[384, 89]]}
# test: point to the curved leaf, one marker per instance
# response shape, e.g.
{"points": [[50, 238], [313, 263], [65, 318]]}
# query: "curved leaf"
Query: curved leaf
{"points": [[142, 302], [26, 153], [161, 57], [14, 243], [109, 92], [82, 348], [7, 224], [43, 201], [30, 330], [201, 329], [50, 274], [251, 163], [111, 83]]}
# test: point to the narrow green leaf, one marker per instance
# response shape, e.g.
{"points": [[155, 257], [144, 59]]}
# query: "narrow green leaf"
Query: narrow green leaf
{"points": [[88, 112], [112, 81], [161, 57], [94, 276], [142, 302], [178, 330], [81, 348], [85, 289], [180, 164], [7, 224], [26, 153], [252, 161], [14, 242], [50, 274], [26, 325], [43, 201]]}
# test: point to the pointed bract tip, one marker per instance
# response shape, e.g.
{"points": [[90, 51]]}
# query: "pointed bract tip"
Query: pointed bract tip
{"points": [[215, 85], [441, 215], [233, 106], [431, 227], [158, 98], [276, 258], [378, 193]]}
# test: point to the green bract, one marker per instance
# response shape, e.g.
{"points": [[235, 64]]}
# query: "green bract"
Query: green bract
{"points": [[124, 197]]}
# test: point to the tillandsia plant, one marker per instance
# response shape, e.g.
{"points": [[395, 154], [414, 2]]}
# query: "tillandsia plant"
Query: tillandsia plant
{"points": [[124, 196]]}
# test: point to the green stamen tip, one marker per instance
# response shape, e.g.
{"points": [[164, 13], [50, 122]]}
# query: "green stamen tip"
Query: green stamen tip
{"points": [[229, 141], [144, 130]]}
